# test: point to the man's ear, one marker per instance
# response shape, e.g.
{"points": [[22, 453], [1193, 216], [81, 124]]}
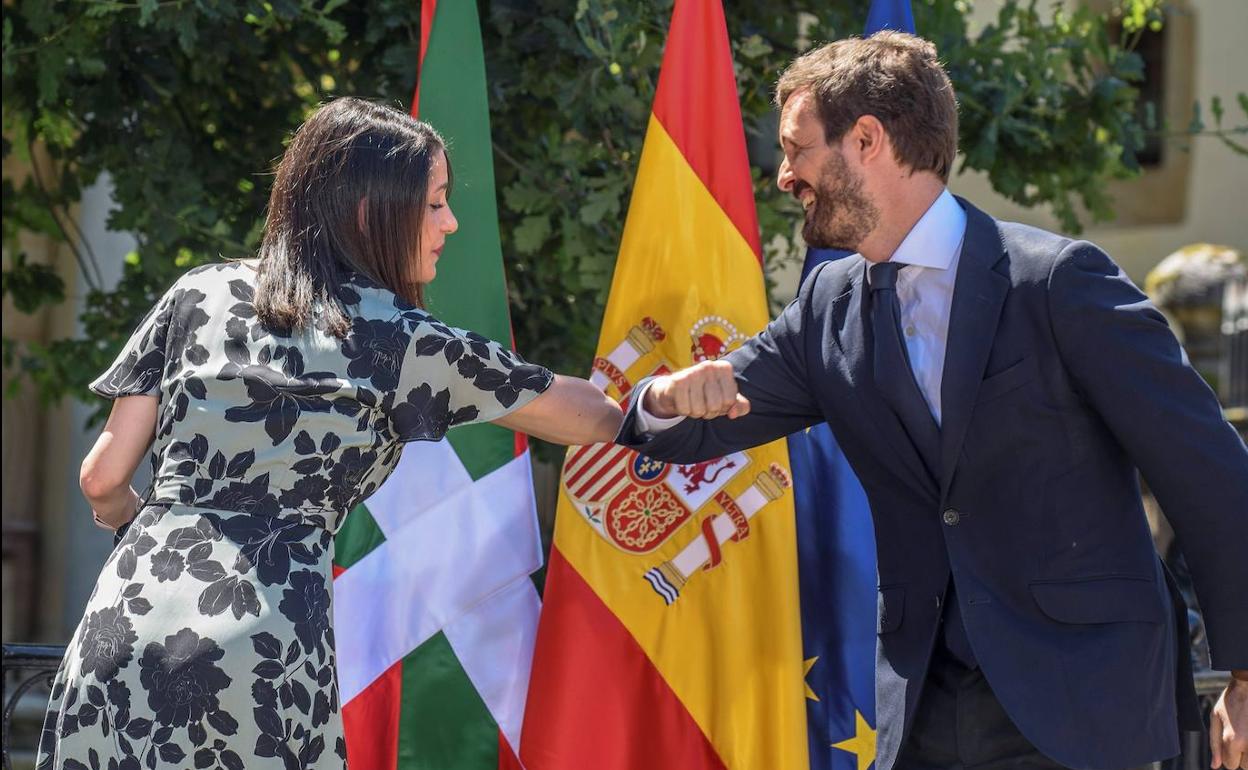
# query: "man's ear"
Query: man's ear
{"points": [[868, 138]]}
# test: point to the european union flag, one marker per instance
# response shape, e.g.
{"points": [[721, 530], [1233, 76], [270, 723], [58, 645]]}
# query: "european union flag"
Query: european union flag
{"points": [[836, 562]]}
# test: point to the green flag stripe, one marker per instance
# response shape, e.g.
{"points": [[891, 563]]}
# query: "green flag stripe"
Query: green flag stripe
{"points": [[482, 448], [470, 289], [359, 535], [443, 723]]}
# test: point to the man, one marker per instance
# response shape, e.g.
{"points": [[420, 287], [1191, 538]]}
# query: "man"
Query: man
{"points": [[995, 388]]}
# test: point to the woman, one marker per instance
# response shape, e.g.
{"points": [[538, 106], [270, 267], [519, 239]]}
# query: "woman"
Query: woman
{"points": [[279, 394]]}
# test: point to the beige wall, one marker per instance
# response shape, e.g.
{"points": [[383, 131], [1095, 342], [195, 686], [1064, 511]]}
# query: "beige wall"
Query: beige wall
{"points": [[1216, 202], [52, 551]]}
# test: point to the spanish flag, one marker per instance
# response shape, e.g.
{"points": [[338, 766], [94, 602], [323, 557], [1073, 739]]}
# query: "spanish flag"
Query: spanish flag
{"points": [[670, 633]]}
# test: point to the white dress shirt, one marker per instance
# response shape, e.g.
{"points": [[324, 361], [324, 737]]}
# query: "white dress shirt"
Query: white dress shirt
{"points": [[925, 292]]}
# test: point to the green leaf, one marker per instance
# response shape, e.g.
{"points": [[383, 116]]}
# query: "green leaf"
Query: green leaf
{"points": [[146, 9], [598, 205], [31, 285], [531, 233], [524, 198], [1215, 107]]}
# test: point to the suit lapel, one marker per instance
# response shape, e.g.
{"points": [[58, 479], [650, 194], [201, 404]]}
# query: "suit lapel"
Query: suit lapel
{"points": [[848, 311], [978, 296]]}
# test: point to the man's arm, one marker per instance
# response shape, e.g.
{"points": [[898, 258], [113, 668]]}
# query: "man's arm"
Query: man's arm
{"points": [[756, 394], [1129, 366], [1131, 369]]}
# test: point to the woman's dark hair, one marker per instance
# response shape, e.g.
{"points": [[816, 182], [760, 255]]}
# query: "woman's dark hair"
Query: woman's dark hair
{"points": [[350, 151]]}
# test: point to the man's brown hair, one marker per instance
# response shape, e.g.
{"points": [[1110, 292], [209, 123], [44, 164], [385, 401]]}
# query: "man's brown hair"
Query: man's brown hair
{"points": [[892, 75]]}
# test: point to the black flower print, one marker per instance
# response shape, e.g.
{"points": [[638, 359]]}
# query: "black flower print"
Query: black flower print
{"points": [[183, 320], [182, 678], [375, 349], [142, 362], [265, 440], [167, 565], [108, 643], [279, 397], [347, 477], [426, 415], [306, 604], [307, 490], [268, 544], [247, 497], [474, 359], [521, 377]]}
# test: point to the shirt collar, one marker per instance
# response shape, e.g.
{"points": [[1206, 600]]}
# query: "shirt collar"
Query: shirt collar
{"points": [[935, 239]]}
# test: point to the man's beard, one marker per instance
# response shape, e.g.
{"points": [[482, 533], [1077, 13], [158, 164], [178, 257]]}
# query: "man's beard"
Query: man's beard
{"points": [[842, 215]]}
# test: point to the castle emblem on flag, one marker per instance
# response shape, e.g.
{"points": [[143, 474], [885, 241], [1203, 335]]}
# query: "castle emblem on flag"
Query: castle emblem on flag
{"points": [[712, 337], [638, 503], [705, 551]]}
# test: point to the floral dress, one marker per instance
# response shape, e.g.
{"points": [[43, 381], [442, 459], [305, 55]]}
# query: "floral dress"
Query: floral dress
{"points": [[207, 641]]}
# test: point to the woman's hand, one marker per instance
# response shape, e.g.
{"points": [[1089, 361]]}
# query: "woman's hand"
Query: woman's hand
{"points": [[112, 515], [570, 411], [109, 466]]}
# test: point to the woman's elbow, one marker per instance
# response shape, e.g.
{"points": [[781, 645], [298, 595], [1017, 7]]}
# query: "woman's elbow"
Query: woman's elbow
{"points": [[97, 482]]}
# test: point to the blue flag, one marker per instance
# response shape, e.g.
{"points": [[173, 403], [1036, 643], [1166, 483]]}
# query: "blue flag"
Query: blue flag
{"points": [[836, 562]]}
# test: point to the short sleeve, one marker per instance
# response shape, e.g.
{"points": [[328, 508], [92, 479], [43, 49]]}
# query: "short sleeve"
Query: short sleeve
{"points": [[454, 377], [138, 369]]}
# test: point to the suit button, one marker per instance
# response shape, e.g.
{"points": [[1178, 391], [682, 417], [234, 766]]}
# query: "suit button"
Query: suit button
{"points": [[951, 517]]}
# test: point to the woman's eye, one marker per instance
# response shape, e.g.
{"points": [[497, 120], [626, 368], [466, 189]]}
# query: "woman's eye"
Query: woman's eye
{"points": [[436, 206]]}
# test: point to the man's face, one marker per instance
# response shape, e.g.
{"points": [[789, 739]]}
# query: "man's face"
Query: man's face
{"points": [[839, 214]]}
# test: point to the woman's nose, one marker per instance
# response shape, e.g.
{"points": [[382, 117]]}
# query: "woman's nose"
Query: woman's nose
{"points": [[451, 224]]}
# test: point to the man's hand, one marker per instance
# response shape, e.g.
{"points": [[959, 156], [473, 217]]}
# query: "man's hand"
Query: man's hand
{"points": [[1228, 727], [706, 390]]}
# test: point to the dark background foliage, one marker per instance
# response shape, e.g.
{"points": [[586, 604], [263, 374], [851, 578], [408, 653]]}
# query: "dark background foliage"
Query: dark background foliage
{"points": [[187, 103]]}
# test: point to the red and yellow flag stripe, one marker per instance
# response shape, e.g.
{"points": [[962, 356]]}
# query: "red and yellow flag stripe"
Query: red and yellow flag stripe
{"points": [[670, 631]]}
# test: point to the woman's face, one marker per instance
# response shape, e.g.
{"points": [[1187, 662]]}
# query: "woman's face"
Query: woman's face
{"points": [[439, 222]]}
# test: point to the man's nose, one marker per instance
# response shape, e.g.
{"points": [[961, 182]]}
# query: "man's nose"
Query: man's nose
{"points": [[784, 177]]}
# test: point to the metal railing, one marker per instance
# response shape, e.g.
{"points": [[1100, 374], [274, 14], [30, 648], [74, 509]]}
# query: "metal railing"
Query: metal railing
{"points": [[26, 666]]}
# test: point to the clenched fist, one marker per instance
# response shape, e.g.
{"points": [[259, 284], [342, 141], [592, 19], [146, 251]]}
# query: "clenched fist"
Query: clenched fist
{"points": [[706, 390]]}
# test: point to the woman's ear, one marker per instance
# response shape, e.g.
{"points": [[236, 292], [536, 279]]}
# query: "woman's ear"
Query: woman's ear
{"points": [[361, 215]]}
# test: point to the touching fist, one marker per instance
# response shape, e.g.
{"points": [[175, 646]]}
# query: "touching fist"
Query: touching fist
{"points": [[706, 390]]}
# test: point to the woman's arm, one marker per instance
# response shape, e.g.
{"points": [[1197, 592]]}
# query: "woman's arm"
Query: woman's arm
{"points": [[109, 466], [570, 411]]}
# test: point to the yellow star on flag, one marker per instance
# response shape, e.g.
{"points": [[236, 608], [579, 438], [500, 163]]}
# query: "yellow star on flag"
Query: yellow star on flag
{"points": [[808, 664], [862, 745]]}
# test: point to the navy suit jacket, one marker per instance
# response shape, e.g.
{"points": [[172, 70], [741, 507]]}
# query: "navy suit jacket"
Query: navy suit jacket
{"points": [[1060, 381]]}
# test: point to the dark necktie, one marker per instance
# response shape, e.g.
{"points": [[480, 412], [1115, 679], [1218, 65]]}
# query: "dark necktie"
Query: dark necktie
{"points": [[895, 381], [893, 377]]}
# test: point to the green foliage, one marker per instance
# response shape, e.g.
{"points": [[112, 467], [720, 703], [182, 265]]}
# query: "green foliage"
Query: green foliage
{"points": [[187, 103], [31, 284]]}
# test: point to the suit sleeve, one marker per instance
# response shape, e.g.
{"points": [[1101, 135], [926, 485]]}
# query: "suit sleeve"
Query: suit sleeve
{"points": [[771, 371], [1131, 369]]}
